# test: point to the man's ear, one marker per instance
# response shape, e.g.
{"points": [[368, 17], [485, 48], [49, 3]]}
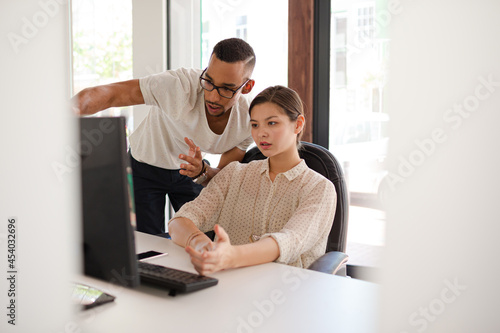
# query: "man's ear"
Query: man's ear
{"points": [[248, 87]]}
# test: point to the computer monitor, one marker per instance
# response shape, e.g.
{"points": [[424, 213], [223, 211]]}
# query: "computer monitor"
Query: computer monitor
{"points": [[107, 201]]}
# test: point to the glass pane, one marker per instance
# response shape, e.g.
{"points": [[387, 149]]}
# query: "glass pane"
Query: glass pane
{"points": [[102, 46], [358, 125], [247, 20]]}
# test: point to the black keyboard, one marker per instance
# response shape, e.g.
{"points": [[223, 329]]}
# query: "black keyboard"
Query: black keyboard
{"points": [[173, 279]]}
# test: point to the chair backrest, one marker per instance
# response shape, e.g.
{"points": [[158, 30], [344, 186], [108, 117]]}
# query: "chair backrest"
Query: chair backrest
{"points": [[322, 161]]}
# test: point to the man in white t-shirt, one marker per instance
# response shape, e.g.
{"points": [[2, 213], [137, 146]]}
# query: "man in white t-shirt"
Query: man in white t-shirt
{"points": [[192, 111]]}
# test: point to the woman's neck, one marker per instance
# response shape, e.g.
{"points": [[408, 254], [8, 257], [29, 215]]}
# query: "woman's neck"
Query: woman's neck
{"points": [[283, 162]]}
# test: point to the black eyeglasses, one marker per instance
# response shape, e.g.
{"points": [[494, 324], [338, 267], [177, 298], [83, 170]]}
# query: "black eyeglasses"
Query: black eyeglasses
{"points": [[223, 91]]}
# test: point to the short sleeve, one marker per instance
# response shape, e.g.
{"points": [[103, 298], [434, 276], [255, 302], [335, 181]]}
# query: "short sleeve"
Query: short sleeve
{"points": [[163, 90]]}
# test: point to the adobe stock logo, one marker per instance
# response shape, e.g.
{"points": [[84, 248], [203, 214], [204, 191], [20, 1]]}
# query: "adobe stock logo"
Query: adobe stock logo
{"points": [[425, 315], [453, 118], [263, 309], [223, 6], [382, 20], [30, 27], [90, 139]]}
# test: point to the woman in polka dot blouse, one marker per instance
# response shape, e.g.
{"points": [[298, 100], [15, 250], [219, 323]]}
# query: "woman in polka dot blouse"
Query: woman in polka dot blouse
{"points": [[275, 209]]}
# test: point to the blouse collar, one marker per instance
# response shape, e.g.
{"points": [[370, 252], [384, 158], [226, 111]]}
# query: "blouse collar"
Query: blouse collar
{"points": [[290, 174]]}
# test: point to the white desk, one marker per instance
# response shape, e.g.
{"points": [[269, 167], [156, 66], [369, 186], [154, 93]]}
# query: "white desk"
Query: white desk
{"points": [[265, 298]]}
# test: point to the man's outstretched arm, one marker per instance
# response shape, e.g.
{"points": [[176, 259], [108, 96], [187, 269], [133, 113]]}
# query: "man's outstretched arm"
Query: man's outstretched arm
{"points": [[95, 99]]}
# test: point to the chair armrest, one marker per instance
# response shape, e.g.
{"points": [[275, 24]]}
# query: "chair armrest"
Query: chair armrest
{"points": [[333, 262]]}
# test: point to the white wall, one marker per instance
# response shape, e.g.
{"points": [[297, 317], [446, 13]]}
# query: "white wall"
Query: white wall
{"points": [[149, 40], [38, 171], [441, 265]]}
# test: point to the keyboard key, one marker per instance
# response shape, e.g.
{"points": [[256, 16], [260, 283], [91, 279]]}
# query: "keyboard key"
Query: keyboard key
{"points": [[173, 279]]}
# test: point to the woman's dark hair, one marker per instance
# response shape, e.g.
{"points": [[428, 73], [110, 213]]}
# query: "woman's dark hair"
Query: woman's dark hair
{"points": [[287, 99]]}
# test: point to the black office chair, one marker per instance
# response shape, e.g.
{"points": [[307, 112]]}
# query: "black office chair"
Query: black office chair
{"points": [[322, 161]]}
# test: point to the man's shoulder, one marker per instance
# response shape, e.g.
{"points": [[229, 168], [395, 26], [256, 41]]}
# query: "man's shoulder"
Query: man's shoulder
{"points": [[181, 72], [191, 72]]}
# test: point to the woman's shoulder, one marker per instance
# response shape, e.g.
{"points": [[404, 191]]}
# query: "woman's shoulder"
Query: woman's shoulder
{"points": [[315, 179], [239, 167]]}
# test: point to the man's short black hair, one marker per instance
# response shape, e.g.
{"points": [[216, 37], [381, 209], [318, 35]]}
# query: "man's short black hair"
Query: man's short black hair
{"points": [[233, 50]]}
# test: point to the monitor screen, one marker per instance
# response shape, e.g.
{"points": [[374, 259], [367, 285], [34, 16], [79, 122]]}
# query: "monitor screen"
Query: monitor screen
{"points": [[107, 201]]}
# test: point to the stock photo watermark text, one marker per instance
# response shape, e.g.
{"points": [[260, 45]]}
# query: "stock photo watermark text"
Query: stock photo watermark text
{"points": [[12, 270], [265, 308], [31, 25], [453, 118], [89, 140], [425, 315]]}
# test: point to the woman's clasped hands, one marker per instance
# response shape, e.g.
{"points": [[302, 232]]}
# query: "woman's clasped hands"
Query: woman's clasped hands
{"points": [[210, 257]]}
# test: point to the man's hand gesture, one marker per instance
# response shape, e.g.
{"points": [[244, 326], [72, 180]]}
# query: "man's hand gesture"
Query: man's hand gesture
{"points": [[194, 165]]}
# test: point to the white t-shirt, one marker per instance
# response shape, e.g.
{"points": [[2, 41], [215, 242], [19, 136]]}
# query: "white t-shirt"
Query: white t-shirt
{"points": [[178, 111]]}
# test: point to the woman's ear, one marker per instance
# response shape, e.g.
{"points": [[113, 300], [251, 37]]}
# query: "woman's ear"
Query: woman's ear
{"points": [[299, 124]]}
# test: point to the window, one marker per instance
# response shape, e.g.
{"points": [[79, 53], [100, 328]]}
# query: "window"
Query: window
{"points": [[102, 46], [365, 27], [205, 47], [339, 42], [358, 126], [241, 27], [244, 19]]}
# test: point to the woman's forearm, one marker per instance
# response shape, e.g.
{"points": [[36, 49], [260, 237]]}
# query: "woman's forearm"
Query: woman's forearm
{"points": [[183, 232], [263, 251]]}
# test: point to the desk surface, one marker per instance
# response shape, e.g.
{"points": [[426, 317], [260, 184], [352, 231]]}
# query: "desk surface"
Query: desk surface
{"points": [[264, 298]]}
